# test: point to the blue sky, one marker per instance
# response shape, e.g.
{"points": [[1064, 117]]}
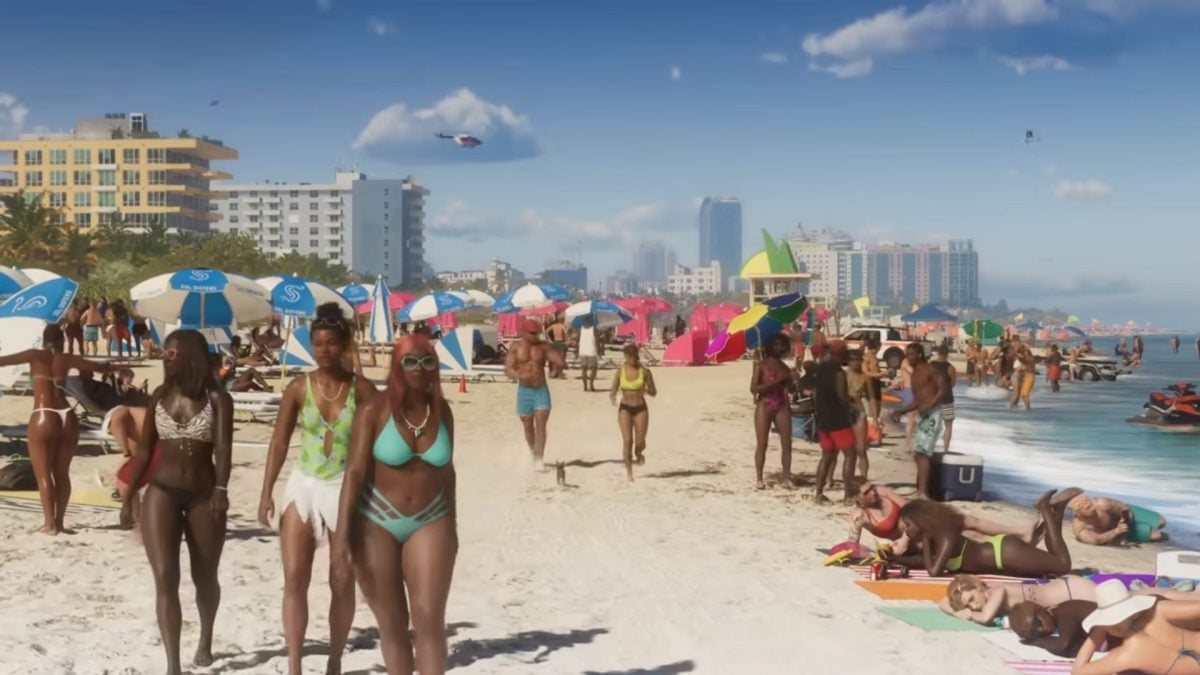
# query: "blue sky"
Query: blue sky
{"points": [[604, 123]]}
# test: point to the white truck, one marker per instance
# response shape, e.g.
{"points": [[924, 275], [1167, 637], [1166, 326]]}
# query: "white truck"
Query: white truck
{"points": [[892, 343]]}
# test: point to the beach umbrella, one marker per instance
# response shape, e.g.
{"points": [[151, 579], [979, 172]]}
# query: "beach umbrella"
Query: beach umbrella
{"points": [[432, 305], [12, 280], [37, 275], [47, 301], [475, 298], [355, 294], [297, 351], [724, 312], [602, 312], [293, 296], [530, 296], [17, 334], [380, 330], [201, 297], [929, 313], [781, 310], [219, 338], [1028, 325], [726, 347], [983, 329], [397, 300]]}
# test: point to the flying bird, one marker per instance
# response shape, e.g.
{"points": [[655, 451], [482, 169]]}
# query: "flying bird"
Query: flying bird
{"points": [[213, 103], [463, 140], [1030, 137]]}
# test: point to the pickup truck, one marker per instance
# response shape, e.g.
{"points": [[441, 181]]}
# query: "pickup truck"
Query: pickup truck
{"points": [[892, 343]]}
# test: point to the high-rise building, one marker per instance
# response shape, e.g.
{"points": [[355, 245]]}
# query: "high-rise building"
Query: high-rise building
{"points": [[945, 273], [622, 283], [838, 262], [115, 169], [650, 261], [721, 233], [372, 226], [566, 274]]}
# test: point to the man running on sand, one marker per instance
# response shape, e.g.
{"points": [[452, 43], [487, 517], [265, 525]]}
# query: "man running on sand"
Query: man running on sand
{"points": [[927, 388], [526, 363]]}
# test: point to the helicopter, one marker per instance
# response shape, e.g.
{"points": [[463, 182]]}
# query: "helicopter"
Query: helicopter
{"points": [[464, 140]]}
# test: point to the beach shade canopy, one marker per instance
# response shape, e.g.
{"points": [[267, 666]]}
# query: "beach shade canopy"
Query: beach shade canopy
{"points": [[456, 351], [431, 305], [380, 330], [47, 301], [201, 297], [687, 349], [548, 310], [12, 280], [1076, 332], [293, 296], [603, 313], [530, 296], [647, 304], [355, 294], [475, 298], [929, 313]]}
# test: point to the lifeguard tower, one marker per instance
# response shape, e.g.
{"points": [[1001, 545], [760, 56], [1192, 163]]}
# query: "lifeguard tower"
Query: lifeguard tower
{"points": [[772, 272]]}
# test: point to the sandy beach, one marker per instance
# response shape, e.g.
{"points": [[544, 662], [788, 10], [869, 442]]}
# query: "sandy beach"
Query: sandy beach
{"points": [[689, 569]]}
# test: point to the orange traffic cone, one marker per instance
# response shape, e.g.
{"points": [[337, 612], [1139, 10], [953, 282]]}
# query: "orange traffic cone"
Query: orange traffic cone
{"points": [[462, 384]]}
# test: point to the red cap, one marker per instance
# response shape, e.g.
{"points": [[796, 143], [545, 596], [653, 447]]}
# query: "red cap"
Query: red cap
{"points": [[531, 326]]}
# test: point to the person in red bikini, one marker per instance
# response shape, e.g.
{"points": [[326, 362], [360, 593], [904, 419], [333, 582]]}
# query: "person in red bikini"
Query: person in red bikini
{"points": [[769, 385], [834, 421]]}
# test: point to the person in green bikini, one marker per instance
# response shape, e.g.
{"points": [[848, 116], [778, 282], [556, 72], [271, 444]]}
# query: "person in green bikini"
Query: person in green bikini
{"points": [[396, 516], [322, 404]]}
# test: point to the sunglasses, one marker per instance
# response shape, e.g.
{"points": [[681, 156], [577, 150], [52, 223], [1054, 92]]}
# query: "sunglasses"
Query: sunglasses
{"points": [[413, 363], [327, 323]]}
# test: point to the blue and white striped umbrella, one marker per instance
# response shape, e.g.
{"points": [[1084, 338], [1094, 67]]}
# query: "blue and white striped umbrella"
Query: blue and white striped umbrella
{"points": [[293, 296], [201, 297], [219, 338], [432, 305], [47, 301], [530, 296], [475, 298], [380, 330], [12, 280], [603, 313], [355, 294], [298, 350]]}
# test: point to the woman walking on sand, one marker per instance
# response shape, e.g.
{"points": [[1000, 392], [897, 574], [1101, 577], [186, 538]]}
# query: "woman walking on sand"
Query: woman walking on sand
{"points": [[772, 406], [184, 460], [634, 382], [396, 514], [53, 428], [323, 404]]}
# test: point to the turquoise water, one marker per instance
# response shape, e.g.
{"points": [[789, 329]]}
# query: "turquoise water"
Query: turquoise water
{"points": [[1080, 437]]}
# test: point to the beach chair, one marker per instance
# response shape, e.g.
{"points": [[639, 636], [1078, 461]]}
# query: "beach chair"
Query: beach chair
{"points": [[257, 406]]}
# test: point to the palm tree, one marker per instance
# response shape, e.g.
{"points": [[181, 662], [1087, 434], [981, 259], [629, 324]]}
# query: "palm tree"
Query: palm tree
{"points": [[80, 253], [27, 229]]}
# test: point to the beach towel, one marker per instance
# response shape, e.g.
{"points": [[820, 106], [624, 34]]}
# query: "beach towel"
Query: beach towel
{"points": [[97, 497], [904, 590], [931, 619], [1009, 641], [1030, 667], [83, 502], [864, 571]]}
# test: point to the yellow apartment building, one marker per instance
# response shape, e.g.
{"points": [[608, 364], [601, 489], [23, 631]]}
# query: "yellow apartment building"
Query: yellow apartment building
{"points": [[115, 168]]}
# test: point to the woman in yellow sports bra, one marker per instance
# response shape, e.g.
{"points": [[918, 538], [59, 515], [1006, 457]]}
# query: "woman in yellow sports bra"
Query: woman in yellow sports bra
{"points": [[634, 382]]}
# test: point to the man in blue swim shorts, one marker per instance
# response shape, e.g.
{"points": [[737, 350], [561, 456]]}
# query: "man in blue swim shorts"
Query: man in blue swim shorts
{"points": [[526, 363], [927, 388]]}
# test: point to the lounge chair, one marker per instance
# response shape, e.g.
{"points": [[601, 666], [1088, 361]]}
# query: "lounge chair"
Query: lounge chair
{"points": [[258, 406]]}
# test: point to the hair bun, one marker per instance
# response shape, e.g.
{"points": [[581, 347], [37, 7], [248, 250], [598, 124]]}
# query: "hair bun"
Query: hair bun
{"points": [[330, 311]]}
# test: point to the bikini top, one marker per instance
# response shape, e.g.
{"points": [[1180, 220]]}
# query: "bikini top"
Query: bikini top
{"points": [[636, 384], [199, 428], [314, 428], [391, 448], [889, 527]]}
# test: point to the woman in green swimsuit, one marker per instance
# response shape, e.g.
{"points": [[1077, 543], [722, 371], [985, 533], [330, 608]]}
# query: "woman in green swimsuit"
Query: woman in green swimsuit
{"points": [[945, 550], [322, 404], [397, 509]]}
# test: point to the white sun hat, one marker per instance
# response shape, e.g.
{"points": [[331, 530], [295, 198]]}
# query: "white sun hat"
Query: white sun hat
{"points": [[1114, 604]]}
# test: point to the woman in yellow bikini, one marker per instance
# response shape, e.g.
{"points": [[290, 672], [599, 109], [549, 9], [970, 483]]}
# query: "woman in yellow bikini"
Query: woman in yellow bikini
{"points": [[1024, 377], [634, 382]]}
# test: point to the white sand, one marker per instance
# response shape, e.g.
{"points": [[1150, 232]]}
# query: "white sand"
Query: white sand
{"points": [[687, 570]]}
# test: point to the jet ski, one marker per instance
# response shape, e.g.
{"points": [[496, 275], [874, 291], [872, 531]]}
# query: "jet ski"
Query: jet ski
{"points": [[1175, 408]]}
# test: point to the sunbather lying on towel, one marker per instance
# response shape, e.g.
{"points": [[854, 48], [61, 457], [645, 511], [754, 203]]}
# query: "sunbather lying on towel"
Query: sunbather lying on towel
{"points": [[1157, 636]]}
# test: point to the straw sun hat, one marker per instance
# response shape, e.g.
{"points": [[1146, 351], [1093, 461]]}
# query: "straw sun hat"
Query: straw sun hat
{"points": [[1114, 604]]}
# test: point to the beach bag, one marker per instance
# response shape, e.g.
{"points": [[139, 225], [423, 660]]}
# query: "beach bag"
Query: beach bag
{"points": [[17, 476]]}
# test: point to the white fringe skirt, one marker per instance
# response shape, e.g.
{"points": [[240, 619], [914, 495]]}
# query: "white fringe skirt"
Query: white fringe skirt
{"points": [[316, 501]]}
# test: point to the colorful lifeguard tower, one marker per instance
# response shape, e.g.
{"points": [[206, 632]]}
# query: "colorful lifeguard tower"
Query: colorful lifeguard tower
{"points": [[772, 272]]}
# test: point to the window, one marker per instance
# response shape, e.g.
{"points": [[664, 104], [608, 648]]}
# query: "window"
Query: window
{"points": [[83, 199], [314, 194], [334, 256], [58, 156], [58, 177], [274, 193], [83, 177], [294, 193], [131, 178], [293, 230], [385, 216], [108, 219], [254, 193], [58, 218], [273, 231], [294, 243], [131, 199], [233, 219], [254, 219], [158, 178], [106, 156], [273, 219], [156, 199], [83, 219], [106, 199], [58, 200], [233, 194], [33, 178], [314, 218], [333, 217], [313, 243], [314, 231], [107, 177], [130, 155], [313, 206], [83, 156], [33, 157], [156, 155], [333, 193], [385, 255], [293, 206], [233, 206]]}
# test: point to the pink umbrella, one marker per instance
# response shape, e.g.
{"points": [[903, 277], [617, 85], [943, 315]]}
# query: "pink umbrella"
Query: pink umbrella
{"points": [[396, 302], [547, 310], [724, 312], [726, 347]]}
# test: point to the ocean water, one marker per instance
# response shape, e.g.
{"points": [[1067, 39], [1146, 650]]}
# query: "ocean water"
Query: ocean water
{"points": [[1081, 437]]}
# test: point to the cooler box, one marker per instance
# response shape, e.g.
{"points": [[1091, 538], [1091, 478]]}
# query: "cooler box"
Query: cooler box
{"points": [[956, 477]]}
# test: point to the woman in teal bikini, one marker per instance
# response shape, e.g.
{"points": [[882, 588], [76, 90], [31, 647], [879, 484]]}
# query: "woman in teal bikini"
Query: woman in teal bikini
{"points": [[946, 550], [322, 404], [396, 517]]}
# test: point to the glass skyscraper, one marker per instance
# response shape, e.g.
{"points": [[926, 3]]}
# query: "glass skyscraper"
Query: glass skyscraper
{"points": [[721, 233]]}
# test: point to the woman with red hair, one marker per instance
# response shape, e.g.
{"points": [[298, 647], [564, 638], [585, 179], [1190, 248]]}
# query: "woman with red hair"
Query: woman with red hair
{"points": [[396, 519]]}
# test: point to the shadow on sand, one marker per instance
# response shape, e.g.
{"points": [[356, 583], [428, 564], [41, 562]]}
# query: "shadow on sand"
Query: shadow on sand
{"points": [[539, 643], [665, 669]]}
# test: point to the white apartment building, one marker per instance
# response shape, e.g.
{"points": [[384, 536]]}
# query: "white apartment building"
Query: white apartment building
{"points": [[499, 276], [838, 262], [371, 226], [705, 280]]}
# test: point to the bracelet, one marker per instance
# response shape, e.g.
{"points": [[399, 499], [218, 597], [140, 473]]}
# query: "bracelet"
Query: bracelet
{"points": [[222, 488]]}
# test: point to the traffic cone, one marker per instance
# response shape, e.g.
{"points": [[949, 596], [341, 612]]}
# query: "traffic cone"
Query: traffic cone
{"points": [[462, 384]]}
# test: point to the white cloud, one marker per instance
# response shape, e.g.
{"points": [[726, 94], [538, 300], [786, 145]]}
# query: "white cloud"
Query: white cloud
{"points": [[409, 135], [380, 27], [1082, 189], [774, 57], [324, 5], [1026, 64], [12, 114], [897, 31], [676, 72]]}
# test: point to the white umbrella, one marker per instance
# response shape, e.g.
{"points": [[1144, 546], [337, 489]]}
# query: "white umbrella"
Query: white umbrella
{"points": [[475, 298], [201, 297], [38, 275], [603, 313], [432, 305], [380, 329], [531, 296]]}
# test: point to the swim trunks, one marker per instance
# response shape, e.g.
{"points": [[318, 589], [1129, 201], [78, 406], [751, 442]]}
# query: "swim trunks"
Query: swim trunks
{"points": [[1141, 523], [530, 399], [91, 333], [840, 439], [929, 429], [589, 361]]}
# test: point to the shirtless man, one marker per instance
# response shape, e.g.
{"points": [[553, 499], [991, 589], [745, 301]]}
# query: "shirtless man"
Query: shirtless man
{"points": [[93, 323], [526, 363], [558, 338], [927, 389], [73, 327], [1101, 521], [874, 377]]}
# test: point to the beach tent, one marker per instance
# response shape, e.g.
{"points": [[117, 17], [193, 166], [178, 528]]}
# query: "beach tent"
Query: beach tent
{"points": [[508, 325], [687, 349], [929, 313]]}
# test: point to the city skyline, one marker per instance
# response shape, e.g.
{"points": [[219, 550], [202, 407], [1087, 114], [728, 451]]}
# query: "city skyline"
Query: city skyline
{"points": [[601, 128]]}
